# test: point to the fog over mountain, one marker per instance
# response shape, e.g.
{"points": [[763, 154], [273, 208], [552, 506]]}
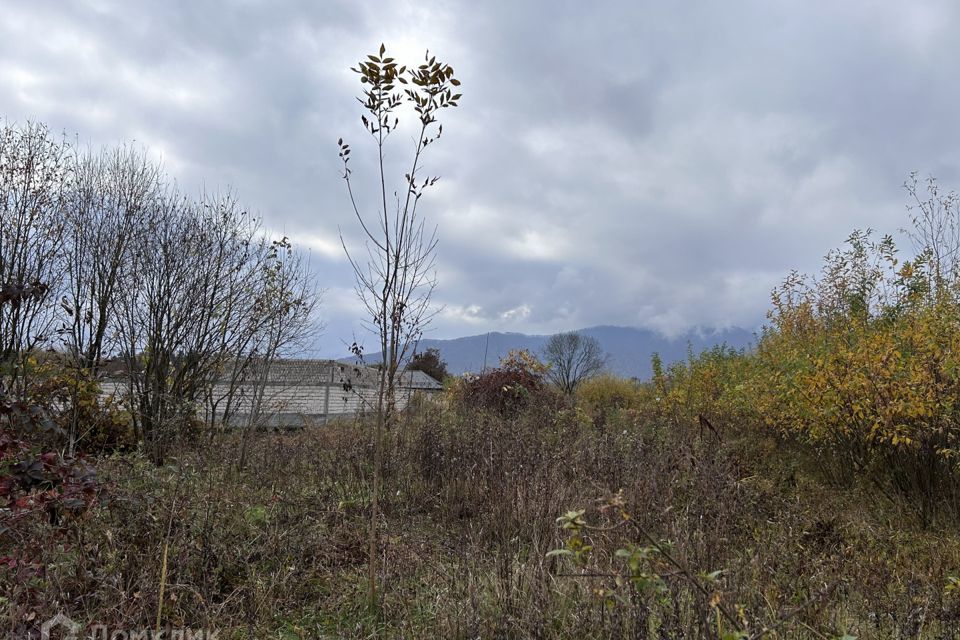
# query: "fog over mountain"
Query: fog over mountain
{"points": [[629, 348]]}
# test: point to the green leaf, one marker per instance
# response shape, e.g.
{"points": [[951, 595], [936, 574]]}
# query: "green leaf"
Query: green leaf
{"points": [[256, 515]]}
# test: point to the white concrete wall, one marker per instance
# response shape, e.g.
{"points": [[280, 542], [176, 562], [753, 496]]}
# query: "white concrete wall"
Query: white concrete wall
{"points": [[291, 405]]}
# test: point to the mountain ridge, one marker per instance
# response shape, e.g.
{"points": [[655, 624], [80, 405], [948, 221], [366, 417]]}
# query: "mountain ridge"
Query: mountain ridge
{"points": [[629, 348]]}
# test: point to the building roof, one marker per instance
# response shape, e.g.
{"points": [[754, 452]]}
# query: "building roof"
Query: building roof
{"points": [[310, 372], [318, 372], [322, 372], [420, 380], [370, 376]]}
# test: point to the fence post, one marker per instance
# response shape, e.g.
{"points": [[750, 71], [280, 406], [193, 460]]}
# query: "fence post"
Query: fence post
{"points": [[326, 396]]}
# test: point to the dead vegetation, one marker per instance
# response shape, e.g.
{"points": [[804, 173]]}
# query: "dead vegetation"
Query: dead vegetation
{"points": [[468, 517]]}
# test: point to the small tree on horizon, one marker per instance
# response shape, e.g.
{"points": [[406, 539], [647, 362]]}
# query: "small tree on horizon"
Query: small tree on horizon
{"points": [[573, 358], [430, 363]]}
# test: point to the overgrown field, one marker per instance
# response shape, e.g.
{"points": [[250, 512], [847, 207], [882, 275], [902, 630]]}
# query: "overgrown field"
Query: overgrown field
{"points": [[807, 488], [469, 520]]}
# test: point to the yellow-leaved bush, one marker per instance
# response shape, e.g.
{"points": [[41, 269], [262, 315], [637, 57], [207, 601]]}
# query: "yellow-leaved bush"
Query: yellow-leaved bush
{"points": [[860, 364], [866, 356], [610, 392], [717, 385]]}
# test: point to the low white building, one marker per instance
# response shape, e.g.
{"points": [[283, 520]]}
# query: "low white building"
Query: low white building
{"points": [[296, 393]]}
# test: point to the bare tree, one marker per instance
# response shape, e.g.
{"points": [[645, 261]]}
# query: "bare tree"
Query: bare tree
{"points": [[154, 308], [112, 191], [207, 296], [34, 177], [573, 358], [184, 307], [935, 230], [396, 280], [285, 303]]}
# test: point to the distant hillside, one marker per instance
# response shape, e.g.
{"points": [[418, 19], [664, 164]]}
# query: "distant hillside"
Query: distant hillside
{"points": [[629, 348]]}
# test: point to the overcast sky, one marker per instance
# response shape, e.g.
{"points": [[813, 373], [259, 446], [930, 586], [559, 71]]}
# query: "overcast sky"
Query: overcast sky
{"points": [[652, 164]]}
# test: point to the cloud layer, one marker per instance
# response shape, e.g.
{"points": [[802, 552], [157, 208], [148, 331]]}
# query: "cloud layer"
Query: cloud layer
{"points": [[649, 164]]}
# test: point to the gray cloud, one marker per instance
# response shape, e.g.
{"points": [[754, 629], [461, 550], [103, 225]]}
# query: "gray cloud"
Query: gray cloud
{"points": [[648, 164]]}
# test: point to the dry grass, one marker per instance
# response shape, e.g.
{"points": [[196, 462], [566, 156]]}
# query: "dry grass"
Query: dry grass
{"points": [[469, 514]]}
